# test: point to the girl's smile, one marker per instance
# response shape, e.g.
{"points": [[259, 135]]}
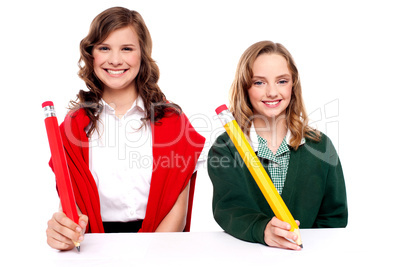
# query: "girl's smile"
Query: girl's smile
{"points": [[272, 104], [117, 60], [271, 87], [115, 73]]}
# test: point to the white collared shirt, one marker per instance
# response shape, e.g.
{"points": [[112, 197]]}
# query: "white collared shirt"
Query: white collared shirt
{"points": [[120, 160]]}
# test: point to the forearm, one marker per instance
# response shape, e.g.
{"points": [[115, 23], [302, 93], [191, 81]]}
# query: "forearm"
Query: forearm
{"points": [[237, 204], [242, 222], [175, 220]]}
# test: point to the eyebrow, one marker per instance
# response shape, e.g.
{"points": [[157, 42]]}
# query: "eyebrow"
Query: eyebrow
{"points": [[284, 76], [277, 77], [121, 45]]}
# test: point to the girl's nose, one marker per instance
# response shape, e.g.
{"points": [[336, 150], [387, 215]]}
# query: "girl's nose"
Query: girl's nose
{"points": [[115, 59], [271, 91]]}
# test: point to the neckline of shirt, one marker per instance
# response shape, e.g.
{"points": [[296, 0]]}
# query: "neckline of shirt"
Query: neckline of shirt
{"points": [[254, 138], [138, 104], [267, 153]]}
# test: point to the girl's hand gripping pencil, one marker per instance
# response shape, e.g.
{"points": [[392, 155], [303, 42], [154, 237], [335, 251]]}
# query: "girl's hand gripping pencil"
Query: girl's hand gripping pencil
{"points": [[256, 169], [63, 180]]}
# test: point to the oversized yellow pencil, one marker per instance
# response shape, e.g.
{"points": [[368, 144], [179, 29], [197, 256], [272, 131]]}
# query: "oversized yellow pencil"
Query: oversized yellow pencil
{"points": [[256, 169]]}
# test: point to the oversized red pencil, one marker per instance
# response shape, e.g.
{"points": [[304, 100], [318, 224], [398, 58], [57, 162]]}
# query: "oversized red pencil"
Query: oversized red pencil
{"points": [[63, 180]]}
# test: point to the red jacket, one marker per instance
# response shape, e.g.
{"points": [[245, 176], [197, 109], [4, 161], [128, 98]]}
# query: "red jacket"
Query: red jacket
{"points": [[175, 142]]}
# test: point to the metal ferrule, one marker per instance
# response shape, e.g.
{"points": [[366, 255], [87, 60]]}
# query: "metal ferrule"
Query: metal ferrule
{"points": [[225, 117], [49, 111]]}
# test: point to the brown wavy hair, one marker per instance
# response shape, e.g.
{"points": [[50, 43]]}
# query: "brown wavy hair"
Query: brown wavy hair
{"points": [[146, 82], [240, 105]]}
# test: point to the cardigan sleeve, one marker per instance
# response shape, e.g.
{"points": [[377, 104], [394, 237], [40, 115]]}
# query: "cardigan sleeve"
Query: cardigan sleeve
{"points": [[235, 208], [333, 212]]}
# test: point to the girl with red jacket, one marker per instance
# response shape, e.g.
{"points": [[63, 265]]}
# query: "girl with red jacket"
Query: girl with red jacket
{"points": [[132, 155]]}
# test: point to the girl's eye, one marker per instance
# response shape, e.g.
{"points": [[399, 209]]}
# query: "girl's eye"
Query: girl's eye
{"points": [[127, 49], [258, 83], [103, 48], [283, 82]]}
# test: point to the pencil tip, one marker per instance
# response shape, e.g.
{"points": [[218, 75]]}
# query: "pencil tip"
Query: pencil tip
{"points": [[78, 248], [301, 245]]}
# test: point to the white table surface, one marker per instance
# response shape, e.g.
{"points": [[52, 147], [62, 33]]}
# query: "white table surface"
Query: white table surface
{"points": [[322, 247]]}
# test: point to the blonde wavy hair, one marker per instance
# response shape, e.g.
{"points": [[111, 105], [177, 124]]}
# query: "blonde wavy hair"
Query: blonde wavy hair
{"points": [[240, 105]]}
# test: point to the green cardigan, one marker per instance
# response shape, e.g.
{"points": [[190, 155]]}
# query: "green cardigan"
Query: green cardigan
{"points": [[314, 189]]}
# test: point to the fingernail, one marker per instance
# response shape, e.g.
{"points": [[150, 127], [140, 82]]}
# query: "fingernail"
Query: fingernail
{"points": [[81, 238], [78, 229]]}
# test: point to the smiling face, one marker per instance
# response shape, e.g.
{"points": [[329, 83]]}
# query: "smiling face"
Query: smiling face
{"points": [[271, 88], [117, 60]]}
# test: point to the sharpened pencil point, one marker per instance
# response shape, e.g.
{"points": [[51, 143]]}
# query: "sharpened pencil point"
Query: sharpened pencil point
{"points": [[78, 248], [301, 245]]}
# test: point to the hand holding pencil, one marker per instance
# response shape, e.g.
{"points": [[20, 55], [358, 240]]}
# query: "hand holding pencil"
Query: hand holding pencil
{"points": [[63, 234], [277, 234], [64, 229], [283, 227]]}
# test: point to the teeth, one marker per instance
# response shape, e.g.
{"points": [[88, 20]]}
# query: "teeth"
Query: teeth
{"points": [[272, 103], [115, 72]]}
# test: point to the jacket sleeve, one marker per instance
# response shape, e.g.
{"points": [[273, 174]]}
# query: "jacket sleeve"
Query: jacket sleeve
{"points": [[333, 212], [235, 199]]}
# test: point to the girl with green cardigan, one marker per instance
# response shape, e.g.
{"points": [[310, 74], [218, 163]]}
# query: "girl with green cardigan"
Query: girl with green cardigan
{"points": [[266, 101]]}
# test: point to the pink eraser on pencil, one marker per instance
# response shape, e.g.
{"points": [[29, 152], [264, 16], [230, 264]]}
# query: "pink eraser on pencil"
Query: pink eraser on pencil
{"points": [[221, 108], [47, 103]]}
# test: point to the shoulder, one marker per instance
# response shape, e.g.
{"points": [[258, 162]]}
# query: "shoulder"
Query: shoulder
{"points": [[323, 149], [322, 144], [173, 121], [223, 140], [223, 146], [76, 118], [176, 127]]}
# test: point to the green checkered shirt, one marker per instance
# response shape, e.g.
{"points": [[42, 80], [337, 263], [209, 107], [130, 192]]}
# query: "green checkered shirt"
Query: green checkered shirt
{"points": [[277, 164]]}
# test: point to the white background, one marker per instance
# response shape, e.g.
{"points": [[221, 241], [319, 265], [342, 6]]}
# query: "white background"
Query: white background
{"points": [[348, 54]]}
